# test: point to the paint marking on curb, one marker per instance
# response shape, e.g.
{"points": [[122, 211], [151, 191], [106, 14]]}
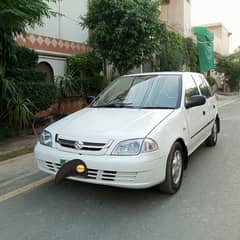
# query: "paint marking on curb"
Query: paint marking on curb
{"points": [[26, 188]]}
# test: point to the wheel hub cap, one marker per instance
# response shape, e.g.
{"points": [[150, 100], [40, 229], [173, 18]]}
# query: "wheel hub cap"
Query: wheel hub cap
{"points": [[215, 132], [177, 167]]}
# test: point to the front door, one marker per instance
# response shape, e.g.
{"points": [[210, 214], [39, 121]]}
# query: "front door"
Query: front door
{"points": [[196, 116]]}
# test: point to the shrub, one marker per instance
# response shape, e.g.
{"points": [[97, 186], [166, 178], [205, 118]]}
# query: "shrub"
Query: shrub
{"points": [[41, 94], [211, 80], [5, 131], [171, 50], [176, 51], [32, 83], [23, 66], [85, 70], [190, 55]]}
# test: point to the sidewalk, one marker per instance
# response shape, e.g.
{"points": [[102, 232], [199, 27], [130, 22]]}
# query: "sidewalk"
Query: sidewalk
{"points": [[222, 100], [17, 146]]}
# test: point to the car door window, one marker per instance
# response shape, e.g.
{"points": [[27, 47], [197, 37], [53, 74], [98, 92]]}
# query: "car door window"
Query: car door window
{"points": [[207, 90], [191, 88]]}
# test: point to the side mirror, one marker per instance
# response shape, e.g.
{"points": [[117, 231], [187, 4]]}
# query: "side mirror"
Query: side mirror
{"points": [[195, 101], [90, 99]]}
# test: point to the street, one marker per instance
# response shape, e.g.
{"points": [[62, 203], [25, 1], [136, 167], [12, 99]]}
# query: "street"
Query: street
{"points": [[206, 207]]}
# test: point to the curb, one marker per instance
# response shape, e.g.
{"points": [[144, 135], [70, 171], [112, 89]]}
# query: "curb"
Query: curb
{"points": [[16, 153]]}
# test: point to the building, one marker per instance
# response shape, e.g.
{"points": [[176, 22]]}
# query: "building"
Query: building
{"points": [[221, 38], [237, 50], [61, 36], [177, 16]]}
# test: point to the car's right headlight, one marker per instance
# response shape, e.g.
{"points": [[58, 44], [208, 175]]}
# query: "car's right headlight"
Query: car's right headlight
{"points": [[46, 138], [133, 147]]}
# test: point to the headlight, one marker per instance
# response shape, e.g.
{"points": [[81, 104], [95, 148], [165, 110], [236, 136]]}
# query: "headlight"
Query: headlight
{"points": [[46, 138], [134, 147], [128, 148]]}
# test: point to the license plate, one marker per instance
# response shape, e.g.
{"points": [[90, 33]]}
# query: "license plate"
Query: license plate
{"points": [[62, 162]]}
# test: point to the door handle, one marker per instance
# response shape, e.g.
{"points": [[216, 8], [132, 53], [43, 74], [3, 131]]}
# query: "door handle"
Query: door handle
{"points": [[214, 106], [204, 113]]}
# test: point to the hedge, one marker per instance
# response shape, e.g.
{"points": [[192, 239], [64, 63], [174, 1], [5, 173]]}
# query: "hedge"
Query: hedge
{"points": [[41, 94], [86, 68]]}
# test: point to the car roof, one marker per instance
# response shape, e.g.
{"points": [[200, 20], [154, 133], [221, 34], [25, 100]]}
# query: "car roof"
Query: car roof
{"points": [[159, 73]]}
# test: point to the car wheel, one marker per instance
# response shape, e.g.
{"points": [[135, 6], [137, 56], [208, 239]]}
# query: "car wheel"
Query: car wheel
{"points": [[174, 170], [212, 139]]}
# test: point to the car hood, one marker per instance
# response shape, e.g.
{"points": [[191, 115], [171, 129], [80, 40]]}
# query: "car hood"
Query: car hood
{"points": [[110, 123]]}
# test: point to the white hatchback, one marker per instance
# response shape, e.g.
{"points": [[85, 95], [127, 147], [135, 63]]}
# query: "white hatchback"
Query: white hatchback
{"points": [[138, 133]]}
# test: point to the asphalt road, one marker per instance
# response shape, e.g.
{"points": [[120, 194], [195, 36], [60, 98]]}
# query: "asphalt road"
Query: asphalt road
{"points": [[206, 207]]}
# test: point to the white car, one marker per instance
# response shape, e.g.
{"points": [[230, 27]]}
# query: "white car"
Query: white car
{"points": [[138, 133]]}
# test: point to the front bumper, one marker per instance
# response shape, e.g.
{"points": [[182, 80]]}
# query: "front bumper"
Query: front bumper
{"points": [[142, 171]]}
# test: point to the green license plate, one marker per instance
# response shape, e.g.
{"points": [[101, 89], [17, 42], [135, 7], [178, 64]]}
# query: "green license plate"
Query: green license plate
{"points": [[62, 162]]}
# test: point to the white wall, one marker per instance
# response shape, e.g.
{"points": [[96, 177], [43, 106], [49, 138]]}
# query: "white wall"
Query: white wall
{"points": [[221, 39], [66, 27], [177, 14], [58, 64]]}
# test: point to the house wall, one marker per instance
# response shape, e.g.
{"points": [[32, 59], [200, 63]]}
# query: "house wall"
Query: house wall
{"points": [[60, 36], [65, 27], [177, 15], [221, 38]]}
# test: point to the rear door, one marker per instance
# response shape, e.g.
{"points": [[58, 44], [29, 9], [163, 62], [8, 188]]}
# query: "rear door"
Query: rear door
{"points": [[210, 102], [211, 99]]}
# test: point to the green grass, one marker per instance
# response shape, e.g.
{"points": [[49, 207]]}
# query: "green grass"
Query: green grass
{"points": [[16, 153]]}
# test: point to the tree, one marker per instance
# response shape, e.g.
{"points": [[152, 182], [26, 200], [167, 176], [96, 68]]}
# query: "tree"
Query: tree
{"points": [[171, 52], [231, 68], [15, 17], [124, 32], [191, 55]]}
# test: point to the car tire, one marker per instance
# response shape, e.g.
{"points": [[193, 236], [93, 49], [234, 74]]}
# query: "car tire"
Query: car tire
{"points": [[174, 170], [211, 141]]}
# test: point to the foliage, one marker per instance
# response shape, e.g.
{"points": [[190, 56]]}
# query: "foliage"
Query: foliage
{"points": [[84, 75], [87, 69], [14, 107], [23, 66], [176, 51], [165, 1], [19, 113], [171, 52], [7, 51], [25, 57], [231, 68], [124, 32], [68, 86], [211, 80], [5, 131], [32, 83], [15, 18], [41, 94], [190, 55]]}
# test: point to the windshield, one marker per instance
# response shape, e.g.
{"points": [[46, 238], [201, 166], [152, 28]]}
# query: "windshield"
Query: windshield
{"points": [[161, 91]]}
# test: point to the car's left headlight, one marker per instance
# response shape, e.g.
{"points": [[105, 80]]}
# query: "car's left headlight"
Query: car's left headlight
{"points": [[46, 138], [134, 147]]}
